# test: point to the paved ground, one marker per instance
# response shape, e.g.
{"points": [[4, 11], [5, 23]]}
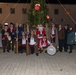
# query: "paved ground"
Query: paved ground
{"points": [[20, 64]]}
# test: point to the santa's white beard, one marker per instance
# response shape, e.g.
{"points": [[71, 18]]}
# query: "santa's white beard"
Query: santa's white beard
{"points": [[40, 29]]}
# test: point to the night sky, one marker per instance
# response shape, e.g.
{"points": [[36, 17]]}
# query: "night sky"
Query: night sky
{"points": [[47, 1]]}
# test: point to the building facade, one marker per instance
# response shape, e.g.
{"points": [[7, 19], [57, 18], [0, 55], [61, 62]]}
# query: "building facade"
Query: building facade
{"points": [[18, 13]]}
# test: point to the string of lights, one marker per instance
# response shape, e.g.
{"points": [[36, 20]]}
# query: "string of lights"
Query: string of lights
{"points": [[67, 12]]}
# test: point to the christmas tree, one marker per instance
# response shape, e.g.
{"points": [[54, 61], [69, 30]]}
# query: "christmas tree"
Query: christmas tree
{"points": [[38, 12]]}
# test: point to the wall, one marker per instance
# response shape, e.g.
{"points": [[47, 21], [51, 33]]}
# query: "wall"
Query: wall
{"points": [[68, 20], [18, 17]]}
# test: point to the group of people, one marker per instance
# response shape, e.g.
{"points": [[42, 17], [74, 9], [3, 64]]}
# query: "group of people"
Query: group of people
{"points": [[35, 40]]}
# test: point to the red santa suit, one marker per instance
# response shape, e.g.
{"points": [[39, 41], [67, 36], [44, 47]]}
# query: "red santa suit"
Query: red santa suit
{"points": [[40, 32]]}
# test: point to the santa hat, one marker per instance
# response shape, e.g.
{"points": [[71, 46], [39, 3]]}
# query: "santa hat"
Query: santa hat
{"points": [[5, 24]]}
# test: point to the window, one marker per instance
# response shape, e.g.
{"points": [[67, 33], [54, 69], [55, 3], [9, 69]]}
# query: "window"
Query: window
{"points": [[0, 10], [24, 10], [56, 11], [12, 10]]}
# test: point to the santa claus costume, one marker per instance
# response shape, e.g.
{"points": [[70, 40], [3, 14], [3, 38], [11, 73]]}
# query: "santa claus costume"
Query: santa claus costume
{"points": [[40, 32]]}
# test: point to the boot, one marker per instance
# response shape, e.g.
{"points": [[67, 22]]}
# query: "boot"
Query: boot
{"points": [[8, 51], [37, 54], [70, 51], [3, 51]]}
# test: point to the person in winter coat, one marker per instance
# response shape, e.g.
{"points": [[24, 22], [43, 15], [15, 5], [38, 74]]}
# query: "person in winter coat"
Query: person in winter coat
{"points": [[12, 30], [61, 37], [18, 35], [71, 38], [5, 38], [47, 30], [65, 38]]}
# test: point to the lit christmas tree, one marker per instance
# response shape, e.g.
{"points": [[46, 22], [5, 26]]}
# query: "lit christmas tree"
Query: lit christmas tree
{"points": [[38, 12]]}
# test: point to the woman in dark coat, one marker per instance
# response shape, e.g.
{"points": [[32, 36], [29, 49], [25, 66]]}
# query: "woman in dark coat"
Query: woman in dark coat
{"points": [[71, 38], [65, 38]]}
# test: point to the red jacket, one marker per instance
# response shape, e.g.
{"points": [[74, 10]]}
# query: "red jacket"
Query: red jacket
{"points": [[45, 42]]}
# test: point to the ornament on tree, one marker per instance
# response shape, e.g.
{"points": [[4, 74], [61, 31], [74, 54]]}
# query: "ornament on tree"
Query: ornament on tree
{"points": [[37, 6], [47, 17], [38, 11]]}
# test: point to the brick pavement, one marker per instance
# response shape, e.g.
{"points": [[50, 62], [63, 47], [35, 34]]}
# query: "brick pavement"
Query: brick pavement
{"points": [[44, 64]]}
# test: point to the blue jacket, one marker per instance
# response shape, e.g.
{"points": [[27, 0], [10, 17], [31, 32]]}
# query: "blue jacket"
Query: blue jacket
{"points": [[20, 30]]}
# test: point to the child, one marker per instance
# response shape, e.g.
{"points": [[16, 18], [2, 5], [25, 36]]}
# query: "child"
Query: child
{"points": [[45, 42], [22, 46]]}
